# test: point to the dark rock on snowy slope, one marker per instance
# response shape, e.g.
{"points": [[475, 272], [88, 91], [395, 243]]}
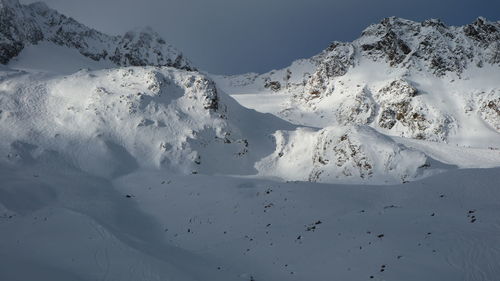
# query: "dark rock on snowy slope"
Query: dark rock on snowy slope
{"points": [[396, 78], [22, 25], [428, 46], [432, 45]]}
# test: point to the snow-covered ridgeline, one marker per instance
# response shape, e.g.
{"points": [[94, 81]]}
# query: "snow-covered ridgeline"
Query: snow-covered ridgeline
{"points": [[416, 80], [111, 122], [25, 25]]}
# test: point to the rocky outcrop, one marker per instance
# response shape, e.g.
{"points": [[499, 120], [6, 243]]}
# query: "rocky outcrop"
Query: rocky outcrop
{"points": [[333, 62], [273, 85], [401, 110], [489, 109], [342, 154], [431, 45]]}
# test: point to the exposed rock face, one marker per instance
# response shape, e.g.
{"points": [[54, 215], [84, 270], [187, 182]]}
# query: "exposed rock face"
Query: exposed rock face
{"points": [[489, 109], [431, 44], [21, 25], [16, 29], [400, 107], [333, 62], [389, 45], [273, 85], [206, 89], [348, 154]]}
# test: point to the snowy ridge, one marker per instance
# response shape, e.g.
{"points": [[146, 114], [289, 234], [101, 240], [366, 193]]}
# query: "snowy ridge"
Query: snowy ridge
{"points": [[24, 25], [416, 80], [166, 118], [111, 122]]}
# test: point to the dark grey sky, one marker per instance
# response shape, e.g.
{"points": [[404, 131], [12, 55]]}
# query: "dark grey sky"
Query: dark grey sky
{"points": [[237, 36]]}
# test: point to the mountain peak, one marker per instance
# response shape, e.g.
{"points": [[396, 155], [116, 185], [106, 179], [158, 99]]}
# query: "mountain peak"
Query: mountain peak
{"points": [[390, 21], [23, 25], [391, 79]]}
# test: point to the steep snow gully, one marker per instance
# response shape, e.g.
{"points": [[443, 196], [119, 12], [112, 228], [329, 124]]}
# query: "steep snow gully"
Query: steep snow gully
{"points": [[377, 159]]}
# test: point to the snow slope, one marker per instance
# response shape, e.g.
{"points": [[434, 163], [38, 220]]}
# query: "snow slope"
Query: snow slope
{"points": [[155, 225], [110, 122]]}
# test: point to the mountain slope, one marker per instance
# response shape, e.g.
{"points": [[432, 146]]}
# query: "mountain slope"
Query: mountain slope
{"points": [[25, 25], [416, 80], [156, 225], [110, 122], [156, 117]]}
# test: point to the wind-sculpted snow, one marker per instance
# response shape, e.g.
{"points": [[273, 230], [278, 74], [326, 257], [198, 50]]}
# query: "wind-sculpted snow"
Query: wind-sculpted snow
{"points": [[24, 25]]}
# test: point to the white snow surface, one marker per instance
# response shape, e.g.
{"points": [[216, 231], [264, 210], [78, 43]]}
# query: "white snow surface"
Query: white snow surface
{"points": [[110, 122], [60, 224], [52, 58]]}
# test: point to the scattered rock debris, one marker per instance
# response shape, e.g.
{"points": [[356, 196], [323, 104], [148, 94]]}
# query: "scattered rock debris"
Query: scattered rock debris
{"points": [[471, 215], [312, 226]]}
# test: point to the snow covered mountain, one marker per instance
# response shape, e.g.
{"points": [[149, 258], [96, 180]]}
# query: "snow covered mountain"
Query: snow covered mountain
{"points": [[110, 122], [24, 25], [161, 113], [120, 161], [416, 80], [180, 120]]}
